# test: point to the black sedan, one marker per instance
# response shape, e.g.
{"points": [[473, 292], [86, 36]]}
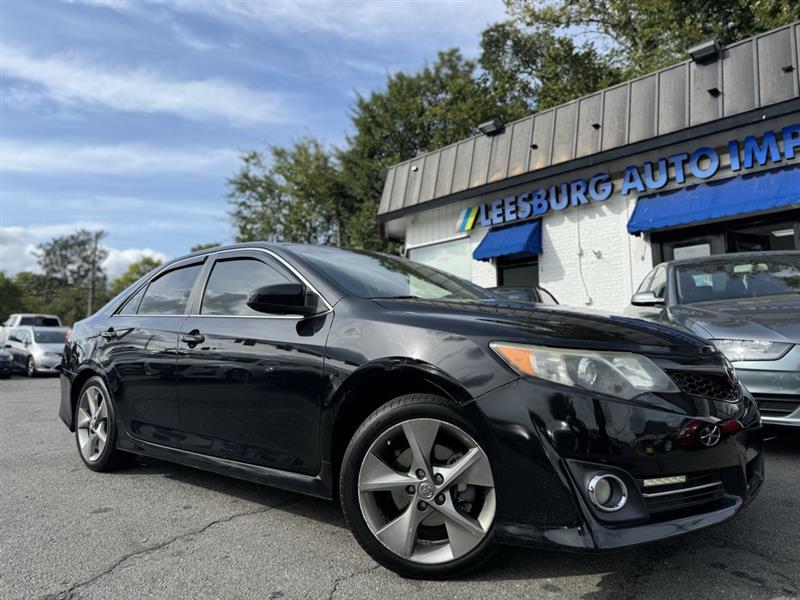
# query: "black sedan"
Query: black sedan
{"points": [[446, 420]]}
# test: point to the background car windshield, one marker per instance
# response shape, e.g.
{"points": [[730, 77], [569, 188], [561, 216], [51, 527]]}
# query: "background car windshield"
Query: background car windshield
{"points": [[39, 321], [738, 278], [374, 275], [49, 337]]}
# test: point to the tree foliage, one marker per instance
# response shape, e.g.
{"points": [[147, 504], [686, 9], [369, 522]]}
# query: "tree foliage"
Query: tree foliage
{"points": [[547, 52], [135, 271]]}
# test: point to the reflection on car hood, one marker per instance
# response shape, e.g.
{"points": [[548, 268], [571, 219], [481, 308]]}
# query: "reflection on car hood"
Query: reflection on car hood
{"points": [[774, 318], [556, 325]]}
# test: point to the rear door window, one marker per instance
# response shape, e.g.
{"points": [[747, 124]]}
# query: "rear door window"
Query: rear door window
{"points": [[231, 282], [169, 294]]}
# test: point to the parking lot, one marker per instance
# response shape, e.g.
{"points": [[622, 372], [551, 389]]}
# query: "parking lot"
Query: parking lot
{"points": [[164, 531]]}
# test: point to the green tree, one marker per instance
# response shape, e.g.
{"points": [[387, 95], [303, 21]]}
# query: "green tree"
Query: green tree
{"points": [[10, 297], [640, 36], [75, 260], [295, 194], [136, 270]]}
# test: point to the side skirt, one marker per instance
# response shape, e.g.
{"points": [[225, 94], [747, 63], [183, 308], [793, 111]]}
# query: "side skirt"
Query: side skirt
{"points": [[316, 485]]}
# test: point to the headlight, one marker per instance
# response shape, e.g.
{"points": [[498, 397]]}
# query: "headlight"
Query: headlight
{"points": [[619, 374], [751, 349]]}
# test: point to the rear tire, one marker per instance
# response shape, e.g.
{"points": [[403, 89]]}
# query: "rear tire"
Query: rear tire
{"points": [[96, 429], [417, 489]]}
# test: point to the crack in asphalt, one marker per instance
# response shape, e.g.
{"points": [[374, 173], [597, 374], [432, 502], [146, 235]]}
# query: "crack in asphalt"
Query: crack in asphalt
{"points": [[69, 593], [339, 580]]}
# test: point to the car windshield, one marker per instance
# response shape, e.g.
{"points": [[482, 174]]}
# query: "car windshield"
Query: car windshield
{"points": [[36, 321], [53, 336], [734, 278], [374, 275]]}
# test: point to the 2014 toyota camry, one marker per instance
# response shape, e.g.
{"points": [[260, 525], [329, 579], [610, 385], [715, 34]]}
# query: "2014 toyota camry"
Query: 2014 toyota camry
{"points": [[446, 419]]}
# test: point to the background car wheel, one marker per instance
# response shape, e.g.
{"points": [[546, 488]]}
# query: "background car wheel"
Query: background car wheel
{"points": [[417, 489], [30, 367], [96, 429]]}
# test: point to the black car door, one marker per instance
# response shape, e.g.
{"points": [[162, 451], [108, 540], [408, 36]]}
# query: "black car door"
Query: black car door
{"points": [[251, 383], [139, 350]]}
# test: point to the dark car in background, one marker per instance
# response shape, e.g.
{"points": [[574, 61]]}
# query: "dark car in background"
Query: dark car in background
{"points": [[748, 306], [537, 295], [6, 364], [36, 350], [446, 420]]}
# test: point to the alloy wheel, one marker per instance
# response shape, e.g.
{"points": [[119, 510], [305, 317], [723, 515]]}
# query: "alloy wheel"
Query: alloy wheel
{"points": [[31, 367], [426, 491], [92, 423]]}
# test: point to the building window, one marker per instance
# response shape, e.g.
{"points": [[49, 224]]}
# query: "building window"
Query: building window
{"points": [[453, 257], [518, 272]]}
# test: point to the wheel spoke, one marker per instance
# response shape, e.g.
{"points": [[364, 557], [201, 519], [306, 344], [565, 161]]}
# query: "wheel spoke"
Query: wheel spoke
{"points": [[461, 540], [101, 433], [83, 418], [90, 398], [421, 435], [452, 516], [88, 445], [377, 476], [473, 468], [400, 535], [102, 412]]}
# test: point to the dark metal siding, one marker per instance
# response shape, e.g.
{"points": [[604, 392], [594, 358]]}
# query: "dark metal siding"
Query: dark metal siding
{"points": [[754, 73]]}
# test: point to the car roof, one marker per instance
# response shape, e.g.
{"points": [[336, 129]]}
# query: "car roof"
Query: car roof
{"points": [[33, 315], [731, 255]]}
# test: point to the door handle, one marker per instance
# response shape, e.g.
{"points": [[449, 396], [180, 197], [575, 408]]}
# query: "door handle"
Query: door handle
{"points": [[193, 338], [109, 334]]}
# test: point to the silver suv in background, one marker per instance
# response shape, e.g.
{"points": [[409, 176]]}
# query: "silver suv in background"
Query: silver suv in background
{"points": [[36, 350], [748, 306], [27, 319]]}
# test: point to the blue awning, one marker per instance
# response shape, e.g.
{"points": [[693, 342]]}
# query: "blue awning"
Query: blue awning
{"points": [[525, 238], [741, 195]]}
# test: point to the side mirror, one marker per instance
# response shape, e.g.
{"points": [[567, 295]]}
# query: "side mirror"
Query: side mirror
{"points": [[647, 298], [7, 346], [283, 299]]}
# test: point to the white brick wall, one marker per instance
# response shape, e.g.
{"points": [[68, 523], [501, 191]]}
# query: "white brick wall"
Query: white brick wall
{"points": [[610, 276]]}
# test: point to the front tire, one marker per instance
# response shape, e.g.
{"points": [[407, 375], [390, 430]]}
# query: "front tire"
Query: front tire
{"points": [[96, 428], [30, 367], [417, 489]]}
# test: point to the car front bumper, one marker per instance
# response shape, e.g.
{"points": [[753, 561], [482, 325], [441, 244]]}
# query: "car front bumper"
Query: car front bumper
{"points": [[775, 384], [6, 368], [547, 442]]}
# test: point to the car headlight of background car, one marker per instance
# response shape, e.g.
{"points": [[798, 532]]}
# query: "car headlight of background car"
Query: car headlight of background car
{"points": [[737, 350], [621, 374]]}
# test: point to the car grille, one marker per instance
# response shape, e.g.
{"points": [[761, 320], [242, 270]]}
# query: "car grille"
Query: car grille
{"points": [[716, 386], [777, 406], [696, 490]]}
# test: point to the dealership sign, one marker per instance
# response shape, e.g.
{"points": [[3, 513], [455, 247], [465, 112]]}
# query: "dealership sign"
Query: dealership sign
{"points": [[702, 163]]}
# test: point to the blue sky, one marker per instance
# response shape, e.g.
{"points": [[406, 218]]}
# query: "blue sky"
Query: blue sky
{"points": [[130, 116]]}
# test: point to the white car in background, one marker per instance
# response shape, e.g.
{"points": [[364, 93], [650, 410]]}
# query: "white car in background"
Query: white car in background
{"points": [[27, 320]]}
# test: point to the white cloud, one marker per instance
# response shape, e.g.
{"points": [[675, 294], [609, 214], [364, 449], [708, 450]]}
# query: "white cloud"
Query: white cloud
{"points": [[18, 244], [72, 81], [410, 22], [54, 157], [117, 261]]}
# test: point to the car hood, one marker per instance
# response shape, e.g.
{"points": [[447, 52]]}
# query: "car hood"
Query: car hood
{"points": [[773, 318], [57, 347], [549, 325]]}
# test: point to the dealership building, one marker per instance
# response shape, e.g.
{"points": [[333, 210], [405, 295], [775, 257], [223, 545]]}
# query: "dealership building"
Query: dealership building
{"points": [[697, 159]]}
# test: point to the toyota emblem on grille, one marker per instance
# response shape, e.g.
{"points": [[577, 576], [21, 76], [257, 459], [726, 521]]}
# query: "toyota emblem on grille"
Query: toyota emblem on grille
{"points": [[710, 436]]}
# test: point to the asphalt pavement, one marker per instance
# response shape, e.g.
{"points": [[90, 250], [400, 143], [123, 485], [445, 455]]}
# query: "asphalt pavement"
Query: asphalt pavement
{"points": [[160, 530]]}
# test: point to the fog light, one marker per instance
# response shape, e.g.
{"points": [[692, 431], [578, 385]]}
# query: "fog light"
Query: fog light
{"points": [[608, 492]]}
